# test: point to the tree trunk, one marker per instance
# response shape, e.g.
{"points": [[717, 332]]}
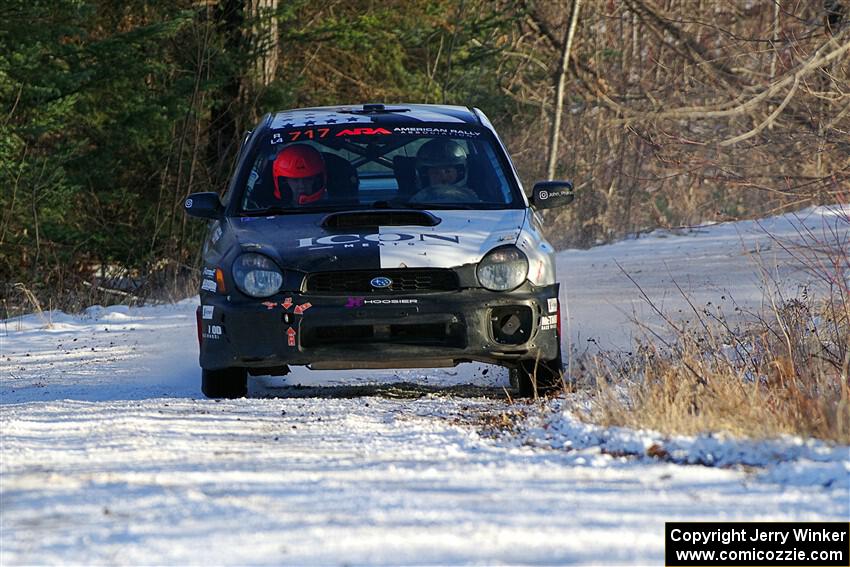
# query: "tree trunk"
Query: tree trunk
{"points": [[250, 38], [263, 43], [559, 92]]}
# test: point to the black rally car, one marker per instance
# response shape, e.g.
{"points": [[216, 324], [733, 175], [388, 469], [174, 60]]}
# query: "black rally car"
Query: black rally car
{"points": [[376, 237]]}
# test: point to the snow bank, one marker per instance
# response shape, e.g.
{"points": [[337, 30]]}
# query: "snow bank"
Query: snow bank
{"points": [[786, 460]]}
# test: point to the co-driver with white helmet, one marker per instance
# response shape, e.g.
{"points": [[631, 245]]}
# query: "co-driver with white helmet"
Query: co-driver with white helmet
{"points": [[441, 171]]}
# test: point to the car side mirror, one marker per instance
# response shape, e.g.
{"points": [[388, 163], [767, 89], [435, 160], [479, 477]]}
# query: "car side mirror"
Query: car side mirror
{"points": [[204, 205], [551, 194]]}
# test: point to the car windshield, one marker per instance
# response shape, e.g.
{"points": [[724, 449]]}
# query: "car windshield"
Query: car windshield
{"points": [[338, 167]]}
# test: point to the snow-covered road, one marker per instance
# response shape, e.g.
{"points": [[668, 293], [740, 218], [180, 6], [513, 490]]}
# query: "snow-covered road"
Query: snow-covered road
{"points": [[109, 456]]}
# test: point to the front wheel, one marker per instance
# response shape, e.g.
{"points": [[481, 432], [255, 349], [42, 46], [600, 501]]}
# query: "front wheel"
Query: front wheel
{"points": [[226, 383], [544, 376]]}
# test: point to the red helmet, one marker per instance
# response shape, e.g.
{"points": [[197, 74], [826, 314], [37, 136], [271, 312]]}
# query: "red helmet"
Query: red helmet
{"points": [[301, 161]]}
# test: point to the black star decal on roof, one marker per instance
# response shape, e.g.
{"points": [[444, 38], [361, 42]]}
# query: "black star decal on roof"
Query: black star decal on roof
{"points": [[331, 121], [309, 123], [288, 125], [352, 119]]}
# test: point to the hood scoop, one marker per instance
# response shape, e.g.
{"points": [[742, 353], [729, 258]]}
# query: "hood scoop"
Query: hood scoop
{"points": [[368, 219]]}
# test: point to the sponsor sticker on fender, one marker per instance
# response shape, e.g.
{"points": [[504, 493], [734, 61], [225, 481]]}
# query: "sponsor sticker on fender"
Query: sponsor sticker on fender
{"points": [[213, 332], [208, 285], [548, 323], [216, 235], [299, 309], [553, 304], [207, 311]]}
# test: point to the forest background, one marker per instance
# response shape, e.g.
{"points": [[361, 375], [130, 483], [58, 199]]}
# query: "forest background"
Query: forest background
{"points": [[667, 113]]}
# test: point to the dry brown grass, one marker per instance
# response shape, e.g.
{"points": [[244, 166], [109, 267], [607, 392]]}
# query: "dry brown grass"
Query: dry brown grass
{"points": [[73, 293], [783, 372], [685, 390]]}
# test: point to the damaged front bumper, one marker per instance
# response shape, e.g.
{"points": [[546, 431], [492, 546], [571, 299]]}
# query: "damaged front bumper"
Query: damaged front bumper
{"points": [[378, 331]]}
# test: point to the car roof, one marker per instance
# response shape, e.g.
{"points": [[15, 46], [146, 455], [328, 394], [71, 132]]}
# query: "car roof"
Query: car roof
{"points": [[373, 113]]}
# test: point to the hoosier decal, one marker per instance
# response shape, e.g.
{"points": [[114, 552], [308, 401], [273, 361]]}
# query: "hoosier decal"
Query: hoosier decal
{"points": [[355, 302], [390, 301]]}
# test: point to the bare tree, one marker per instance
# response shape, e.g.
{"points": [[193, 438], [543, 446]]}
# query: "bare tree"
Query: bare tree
{"points": [[559, 91]]}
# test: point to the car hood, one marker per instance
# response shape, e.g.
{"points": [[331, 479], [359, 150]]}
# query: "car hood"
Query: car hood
{"points": [[301, 241]]}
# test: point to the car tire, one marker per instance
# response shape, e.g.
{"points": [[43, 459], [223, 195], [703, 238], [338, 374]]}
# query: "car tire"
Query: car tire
{"points": [[226, 383], [546, 375]]}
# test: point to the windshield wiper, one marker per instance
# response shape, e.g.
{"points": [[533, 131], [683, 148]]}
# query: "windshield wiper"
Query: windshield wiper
{"points": [[391, 204], [268, 211], [437, 206], [419, 206]]}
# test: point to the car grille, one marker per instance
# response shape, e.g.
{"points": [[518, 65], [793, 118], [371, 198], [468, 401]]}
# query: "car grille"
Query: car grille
{"points": [[445, 334], [404, 280], [427, 334]]}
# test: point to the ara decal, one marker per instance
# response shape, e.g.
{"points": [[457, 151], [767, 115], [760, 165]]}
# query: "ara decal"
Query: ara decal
{"points": [[363, 132]]}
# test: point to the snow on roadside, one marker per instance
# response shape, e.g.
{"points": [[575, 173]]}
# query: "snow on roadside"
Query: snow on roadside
{"points": [[787, 460], [718, 264]]}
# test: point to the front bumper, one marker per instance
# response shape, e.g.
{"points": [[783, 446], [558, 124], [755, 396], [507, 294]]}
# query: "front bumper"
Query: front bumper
{"points": [[378, 331]]}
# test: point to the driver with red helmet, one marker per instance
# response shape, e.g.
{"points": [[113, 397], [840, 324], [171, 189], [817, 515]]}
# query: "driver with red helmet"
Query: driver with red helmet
{"points": [[301, 169]]}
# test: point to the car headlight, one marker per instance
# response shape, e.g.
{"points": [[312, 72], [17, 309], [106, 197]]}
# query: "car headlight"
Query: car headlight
{"points": [[503, 269], [257, 275]]}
